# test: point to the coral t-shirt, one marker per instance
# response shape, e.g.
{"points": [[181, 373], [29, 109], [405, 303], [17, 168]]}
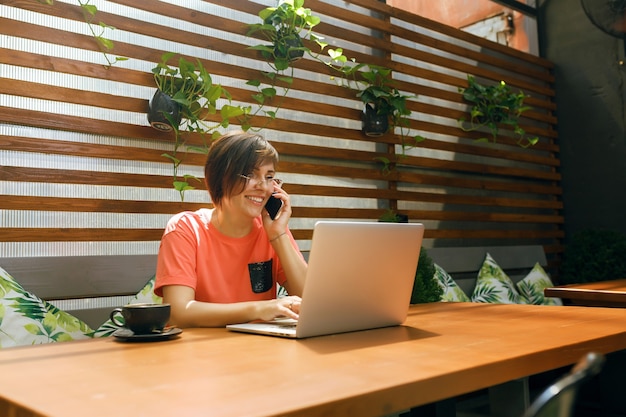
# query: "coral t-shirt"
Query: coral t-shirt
{"points": [[220, 269]]}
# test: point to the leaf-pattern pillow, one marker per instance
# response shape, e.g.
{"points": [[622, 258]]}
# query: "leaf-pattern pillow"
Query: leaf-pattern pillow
{"points": [[532, 286], [451, 290], [25, 319], [281, 291], [494, 285], [145, 295]]}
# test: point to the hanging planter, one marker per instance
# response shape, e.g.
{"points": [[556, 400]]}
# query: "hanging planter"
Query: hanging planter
{"points": [[288, 28], [289, 47], [163, 112], [185, 97], [374, 124], [493, 106], [385, 108], [284, 27]]}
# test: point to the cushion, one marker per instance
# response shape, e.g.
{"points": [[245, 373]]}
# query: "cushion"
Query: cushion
{"points": [[25, 319], [494, 285], [451, 290], [145, 295], [532, 286], [281, 291]]}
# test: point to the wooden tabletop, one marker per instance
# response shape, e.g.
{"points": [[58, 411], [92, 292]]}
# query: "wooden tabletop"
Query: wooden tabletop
{"points": [[443, 350], [602, 293]]}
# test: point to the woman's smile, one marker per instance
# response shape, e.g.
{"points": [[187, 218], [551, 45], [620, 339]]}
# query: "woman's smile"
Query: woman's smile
{"points": [[256, 199]]}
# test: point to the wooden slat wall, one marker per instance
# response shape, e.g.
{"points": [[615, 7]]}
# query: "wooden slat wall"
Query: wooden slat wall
{"points": [[467, 193]]}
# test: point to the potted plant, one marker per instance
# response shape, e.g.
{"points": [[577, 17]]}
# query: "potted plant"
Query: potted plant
{"points": [[185, 97], [384, 106], [382, 102], [391, 216], [285, 27], [493, 106], [426, 289], [594, 255]]}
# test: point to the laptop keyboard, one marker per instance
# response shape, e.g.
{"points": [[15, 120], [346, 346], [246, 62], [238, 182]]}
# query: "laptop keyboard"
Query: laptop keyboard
{"points": [[285, 323]]}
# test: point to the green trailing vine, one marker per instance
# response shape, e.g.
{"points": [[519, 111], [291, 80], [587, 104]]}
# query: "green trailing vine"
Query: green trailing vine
{"points": [[376, 87], [190, 86], [97, 30], [286, 28], [493, 106]]}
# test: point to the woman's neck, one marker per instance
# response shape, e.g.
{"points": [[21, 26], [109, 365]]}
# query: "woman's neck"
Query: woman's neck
{"points": [[230, 225]]}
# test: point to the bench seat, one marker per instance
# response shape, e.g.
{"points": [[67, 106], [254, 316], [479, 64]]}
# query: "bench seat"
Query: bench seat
{"points": [[88, 287], [463, 263]]}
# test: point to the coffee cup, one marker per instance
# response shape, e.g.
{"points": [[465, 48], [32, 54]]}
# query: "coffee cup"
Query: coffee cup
{"points": [[142, 318]]}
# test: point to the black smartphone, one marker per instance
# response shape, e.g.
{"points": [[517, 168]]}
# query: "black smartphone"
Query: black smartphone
{"points": [[273, 205]]}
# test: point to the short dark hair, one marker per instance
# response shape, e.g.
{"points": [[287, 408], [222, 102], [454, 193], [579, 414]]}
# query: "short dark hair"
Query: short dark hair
{"points": [[232, 155]]}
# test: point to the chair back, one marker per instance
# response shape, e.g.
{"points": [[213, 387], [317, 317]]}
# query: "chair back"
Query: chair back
{"points": [[558, 399]]}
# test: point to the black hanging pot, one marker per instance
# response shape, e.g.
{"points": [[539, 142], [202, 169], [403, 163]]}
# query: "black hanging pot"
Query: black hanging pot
{"points": [[163, 111], [289, 47], [374, 124]]}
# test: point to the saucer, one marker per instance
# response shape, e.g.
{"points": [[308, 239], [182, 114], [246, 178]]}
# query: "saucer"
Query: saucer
{"points": [[126, 335]]}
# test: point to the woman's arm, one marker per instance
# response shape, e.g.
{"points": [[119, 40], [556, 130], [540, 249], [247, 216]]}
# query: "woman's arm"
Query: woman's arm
{"points": [[293, 264], [187, 312], [290, 257]]}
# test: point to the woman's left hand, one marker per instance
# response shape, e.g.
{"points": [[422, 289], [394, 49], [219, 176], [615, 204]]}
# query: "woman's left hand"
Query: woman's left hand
{"points": [[279, 225]]}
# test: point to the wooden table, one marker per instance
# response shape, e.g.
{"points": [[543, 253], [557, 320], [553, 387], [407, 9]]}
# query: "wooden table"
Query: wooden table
{"points": [[602, 294], [443, 350]]}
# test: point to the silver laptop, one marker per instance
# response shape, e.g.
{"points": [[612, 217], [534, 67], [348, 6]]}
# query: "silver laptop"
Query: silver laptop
{"points": [[360, 276]]}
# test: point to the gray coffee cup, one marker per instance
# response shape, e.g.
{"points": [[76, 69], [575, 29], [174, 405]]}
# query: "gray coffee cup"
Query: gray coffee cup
{"points": [[143, 318]]}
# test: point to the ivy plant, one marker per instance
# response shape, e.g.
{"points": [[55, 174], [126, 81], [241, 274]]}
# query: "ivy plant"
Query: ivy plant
{"points": [[285, 27], [493, 106], [377, 88], [191, 87], [97, 30], [288, 28]]}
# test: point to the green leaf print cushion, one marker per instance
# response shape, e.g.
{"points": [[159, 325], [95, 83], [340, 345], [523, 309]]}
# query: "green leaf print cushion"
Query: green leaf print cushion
{"points": [[145, 295], [451, 290], [26, 319], [494, 285], [532, 286]]}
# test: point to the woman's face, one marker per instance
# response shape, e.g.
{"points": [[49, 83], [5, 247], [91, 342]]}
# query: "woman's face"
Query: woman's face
{"points": [[257, 190]]}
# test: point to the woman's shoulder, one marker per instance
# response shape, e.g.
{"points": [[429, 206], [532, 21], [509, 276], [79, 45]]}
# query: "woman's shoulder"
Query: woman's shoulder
{"points": [[199, 217]]}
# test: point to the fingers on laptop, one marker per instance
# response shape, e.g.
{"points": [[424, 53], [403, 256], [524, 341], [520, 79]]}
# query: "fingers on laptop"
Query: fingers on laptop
{"points": [[292, 305]]}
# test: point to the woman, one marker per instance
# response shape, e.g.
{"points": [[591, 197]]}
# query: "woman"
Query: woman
{"points": [[221, 266]]}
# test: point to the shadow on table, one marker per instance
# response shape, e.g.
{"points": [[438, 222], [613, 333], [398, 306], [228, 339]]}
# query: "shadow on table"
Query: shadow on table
{"points": [[365, 339]]}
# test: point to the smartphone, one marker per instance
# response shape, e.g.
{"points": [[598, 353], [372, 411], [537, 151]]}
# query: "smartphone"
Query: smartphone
{"points": [[273, 205]]}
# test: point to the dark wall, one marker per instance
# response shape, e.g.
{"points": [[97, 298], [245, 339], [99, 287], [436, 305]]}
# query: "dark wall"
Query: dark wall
{"points": [[590, 75]]}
